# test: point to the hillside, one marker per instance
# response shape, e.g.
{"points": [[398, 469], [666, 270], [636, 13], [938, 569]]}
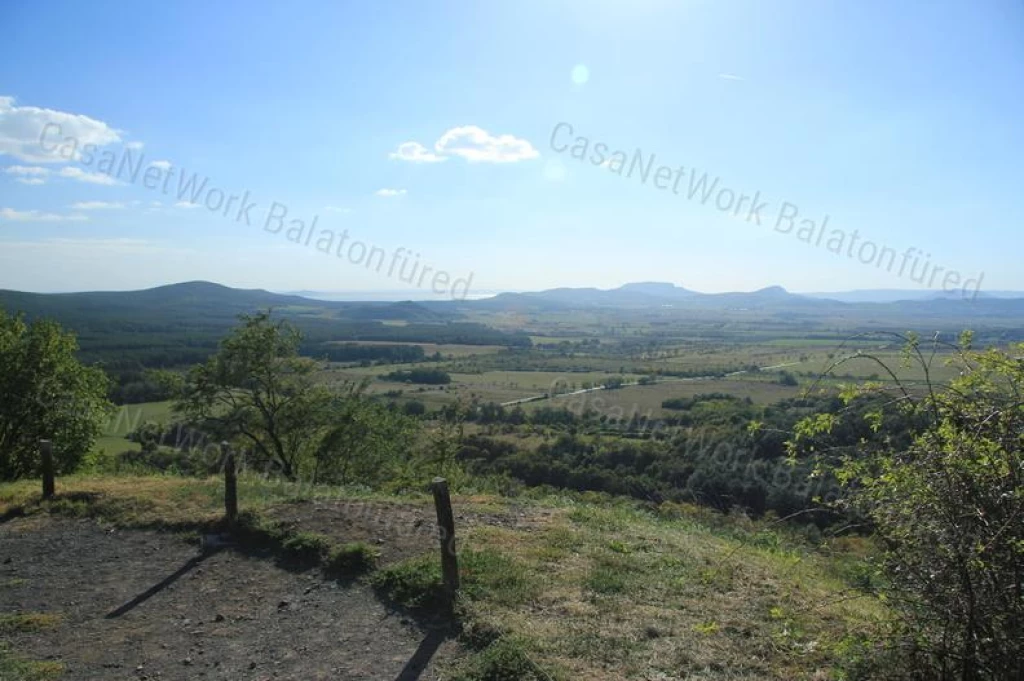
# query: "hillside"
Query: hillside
{"points": [[182, 323], [553, 588]]}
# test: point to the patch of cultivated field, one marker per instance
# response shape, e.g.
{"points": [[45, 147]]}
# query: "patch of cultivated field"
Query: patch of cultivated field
{"points": [[866, 368], [125, 419], [446, 349], [536, 382], [647, 399], [488, 386]]}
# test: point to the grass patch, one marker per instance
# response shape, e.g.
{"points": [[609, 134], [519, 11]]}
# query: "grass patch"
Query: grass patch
{"points": [[15, 668], [488, 575], [157, 502], [28, 622], [505, 659], [414, 583], [676, 592], [607, 576]]}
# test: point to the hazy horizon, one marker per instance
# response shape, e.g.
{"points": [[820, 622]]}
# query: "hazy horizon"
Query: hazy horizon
{"points": [[396, 295]]}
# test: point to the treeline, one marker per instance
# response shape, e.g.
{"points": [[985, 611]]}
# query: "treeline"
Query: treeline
{"points": [[427, 376], [686, 403], [354, 352], [458, 333], [719, 451]]}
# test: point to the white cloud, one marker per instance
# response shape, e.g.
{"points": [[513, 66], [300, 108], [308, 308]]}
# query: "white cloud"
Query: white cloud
{"points": [[32, 175], [86, 176], [133, 145], [729, 76], [162, 165], [98, 205], [479, 146], [414, 152], [26, 170], [337, 209], [21, 128], [389, 192], [470, 142], [186, 204], [37, 216], [38, 175]]}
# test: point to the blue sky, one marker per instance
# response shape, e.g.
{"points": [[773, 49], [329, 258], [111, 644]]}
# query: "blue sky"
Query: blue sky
{"points": [[902, 122]]}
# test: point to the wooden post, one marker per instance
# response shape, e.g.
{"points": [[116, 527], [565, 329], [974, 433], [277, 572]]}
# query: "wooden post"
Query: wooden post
{"points": [[446, 534], [230, 485], [46, 454]]}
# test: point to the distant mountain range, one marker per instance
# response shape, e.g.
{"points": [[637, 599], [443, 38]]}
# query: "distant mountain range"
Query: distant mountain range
{"points": [[638, 295], [198, 301], [659, 294], [653, 293]]}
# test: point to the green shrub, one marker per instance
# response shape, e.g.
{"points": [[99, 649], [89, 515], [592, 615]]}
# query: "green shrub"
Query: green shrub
{"points": [[414, 583], [306, 548], [351, 560], [503, 660]]}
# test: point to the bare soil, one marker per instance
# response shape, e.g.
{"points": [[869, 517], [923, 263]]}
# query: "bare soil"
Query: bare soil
{"points": [[147, 605]]}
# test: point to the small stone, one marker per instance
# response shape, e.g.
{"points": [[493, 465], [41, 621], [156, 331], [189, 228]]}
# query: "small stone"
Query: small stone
{"points": [[218, 618]]}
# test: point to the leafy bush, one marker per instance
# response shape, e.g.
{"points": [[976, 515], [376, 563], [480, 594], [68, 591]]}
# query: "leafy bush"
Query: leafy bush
{"points": [[949, 508]]}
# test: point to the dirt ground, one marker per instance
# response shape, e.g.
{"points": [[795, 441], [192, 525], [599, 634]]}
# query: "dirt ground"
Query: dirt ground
{"points": [[146, 605]]}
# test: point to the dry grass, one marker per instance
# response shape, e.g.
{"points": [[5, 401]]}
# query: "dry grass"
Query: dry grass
{"points": [[157, 501], [624, 594], [27, 622]]}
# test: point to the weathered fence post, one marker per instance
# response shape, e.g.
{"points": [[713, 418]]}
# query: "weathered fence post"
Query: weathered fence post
{"points": [[46, 454], [230, 485], [446, 534]]}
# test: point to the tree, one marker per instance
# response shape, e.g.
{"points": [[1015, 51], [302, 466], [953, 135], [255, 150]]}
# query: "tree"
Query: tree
{"points": [[949, 511], [367, 444], [786, 378], [46, 393], [258, 390]]}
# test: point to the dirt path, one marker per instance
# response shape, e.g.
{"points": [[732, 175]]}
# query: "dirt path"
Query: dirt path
{"points": [[144, 605]]}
